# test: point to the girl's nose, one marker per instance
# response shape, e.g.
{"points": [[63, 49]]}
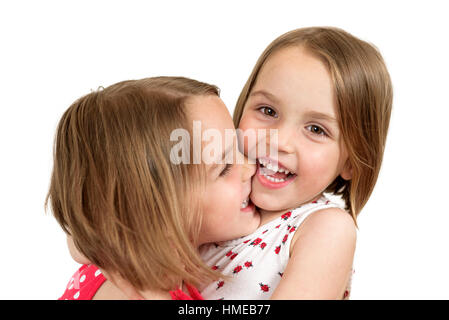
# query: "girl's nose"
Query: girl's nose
{"points": [[282, 139]]}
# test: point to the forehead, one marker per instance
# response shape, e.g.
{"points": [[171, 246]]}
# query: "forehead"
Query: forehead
{"points": [[297, 78], [218, 136], [210, 111]]}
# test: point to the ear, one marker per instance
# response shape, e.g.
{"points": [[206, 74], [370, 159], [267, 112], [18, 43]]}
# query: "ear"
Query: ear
{"points": [[346, 172]]}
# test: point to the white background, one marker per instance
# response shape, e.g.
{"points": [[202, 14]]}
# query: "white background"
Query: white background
{"points": [[52, 52]]}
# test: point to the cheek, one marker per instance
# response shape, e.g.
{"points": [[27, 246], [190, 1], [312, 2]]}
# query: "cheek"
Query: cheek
{"points": [[245, 122], [221, 212], [322, 162], [222, 197], [250, 138]]}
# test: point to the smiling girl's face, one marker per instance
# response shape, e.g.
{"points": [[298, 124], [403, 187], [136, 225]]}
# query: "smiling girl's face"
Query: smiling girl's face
{"points": [[294, 94]]}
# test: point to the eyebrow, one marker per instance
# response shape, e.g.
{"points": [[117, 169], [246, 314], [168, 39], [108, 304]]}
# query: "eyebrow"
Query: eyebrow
{"points": [[266, 94], [320, 115]]}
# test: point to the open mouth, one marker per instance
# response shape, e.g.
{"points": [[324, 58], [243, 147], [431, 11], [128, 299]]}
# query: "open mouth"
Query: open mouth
{"points": [[274, 172], [247, 205]]}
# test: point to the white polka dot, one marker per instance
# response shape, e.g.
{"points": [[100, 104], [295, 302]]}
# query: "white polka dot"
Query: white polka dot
{"points": [[71, 286], [76, 295], [83, 277], [97, 273]]}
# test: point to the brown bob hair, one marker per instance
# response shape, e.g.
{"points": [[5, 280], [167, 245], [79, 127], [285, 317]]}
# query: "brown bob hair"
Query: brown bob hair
{"points": [[364, 97], [115, 191]]}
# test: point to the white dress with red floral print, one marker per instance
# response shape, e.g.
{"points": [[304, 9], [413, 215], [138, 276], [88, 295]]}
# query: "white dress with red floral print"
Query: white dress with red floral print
{"points": [[256, 263]]}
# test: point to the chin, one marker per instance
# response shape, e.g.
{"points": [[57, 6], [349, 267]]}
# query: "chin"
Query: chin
{"points": [[267, 202], [254, 222]]}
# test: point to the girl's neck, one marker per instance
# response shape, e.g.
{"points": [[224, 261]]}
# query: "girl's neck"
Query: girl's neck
{"points": [[268, 216], [109, 291], [155, 295], [159, 294]]}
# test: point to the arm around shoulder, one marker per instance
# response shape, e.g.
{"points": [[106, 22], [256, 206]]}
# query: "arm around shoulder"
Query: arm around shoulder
{"points": [[322, 254]]}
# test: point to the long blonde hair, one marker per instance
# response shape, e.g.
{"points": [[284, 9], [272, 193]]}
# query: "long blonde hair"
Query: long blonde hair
{"points": [[115, 191], [364, 96]]}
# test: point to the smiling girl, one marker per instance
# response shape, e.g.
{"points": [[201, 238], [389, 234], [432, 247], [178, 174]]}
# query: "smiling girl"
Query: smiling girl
{"points": [[329, 96]]}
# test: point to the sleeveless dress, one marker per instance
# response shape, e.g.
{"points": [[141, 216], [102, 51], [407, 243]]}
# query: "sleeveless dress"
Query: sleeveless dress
{"points": [[258, 260]]}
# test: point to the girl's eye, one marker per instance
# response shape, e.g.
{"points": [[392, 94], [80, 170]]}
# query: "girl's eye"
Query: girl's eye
{"points": [[268, 112], [226, 169], [317, 130]]}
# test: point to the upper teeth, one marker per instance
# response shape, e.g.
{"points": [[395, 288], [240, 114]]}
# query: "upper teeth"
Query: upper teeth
{"points": [[273, 167], [245, 204]]}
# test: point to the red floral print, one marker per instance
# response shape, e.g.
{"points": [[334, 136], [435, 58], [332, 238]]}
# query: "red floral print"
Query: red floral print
{"points": [[286, 215], [264, 287], [255, 242], [237, 269], [220, 284], [278, 249]]}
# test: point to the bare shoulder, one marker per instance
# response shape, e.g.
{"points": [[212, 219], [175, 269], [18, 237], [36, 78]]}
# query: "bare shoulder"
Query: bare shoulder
{"points": [[321, 257], [328, 225], [333, 221]]}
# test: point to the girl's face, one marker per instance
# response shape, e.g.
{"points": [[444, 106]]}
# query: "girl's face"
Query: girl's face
{"points": [[294, 94], [227, 212]]}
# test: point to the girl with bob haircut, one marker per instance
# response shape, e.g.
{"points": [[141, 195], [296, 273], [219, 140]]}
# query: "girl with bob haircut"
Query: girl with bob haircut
{"points": [[329, 96], [124, 205]]}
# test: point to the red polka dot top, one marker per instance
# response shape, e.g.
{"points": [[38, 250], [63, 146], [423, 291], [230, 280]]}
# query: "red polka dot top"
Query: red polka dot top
{"points": [[86, 281]]}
